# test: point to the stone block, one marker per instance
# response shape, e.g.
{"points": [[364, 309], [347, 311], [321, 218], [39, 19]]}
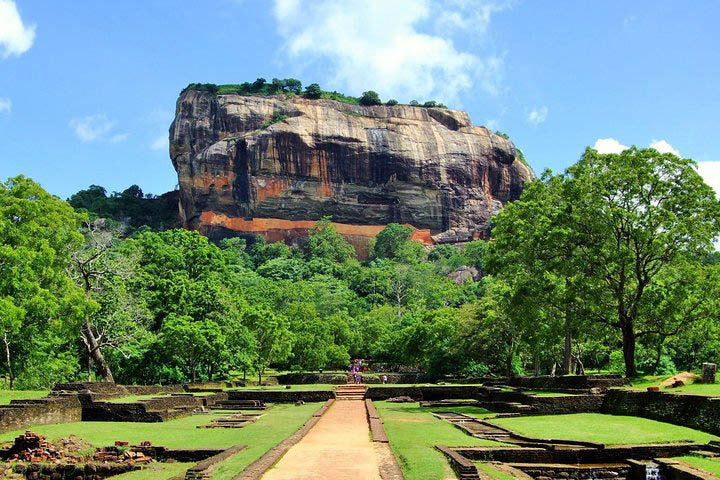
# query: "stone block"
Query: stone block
{"points": [[709, 371]]}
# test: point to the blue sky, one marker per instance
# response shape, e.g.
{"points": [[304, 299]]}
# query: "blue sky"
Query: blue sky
{"points": [[88, 88]]}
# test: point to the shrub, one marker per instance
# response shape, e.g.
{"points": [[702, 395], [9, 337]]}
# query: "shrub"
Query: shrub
{"points": [[276, 118], [313, 91], [430, 104], [414, 103], [391, 102], [370, 98]]}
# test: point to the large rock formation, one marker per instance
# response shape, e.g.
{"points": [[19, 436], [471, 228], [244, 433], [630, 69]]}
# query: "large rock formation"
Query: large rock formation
{"points": [[252, 165]]}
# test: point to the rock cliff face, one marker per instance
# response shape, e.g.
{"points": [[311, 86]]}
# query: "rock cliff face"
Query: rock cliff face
{"points": [[273, 165]]}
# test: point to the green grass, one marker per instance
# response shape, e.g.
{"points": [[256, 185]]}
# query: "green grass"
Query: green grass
{"points": [[492, 471], [549, 394], [413, 432], [312, 387], [263, 435], [182, 432], [607, 429], [135, 398], [7, 395], [710, 465], [157, 471], [642, 383], [710, 389]]}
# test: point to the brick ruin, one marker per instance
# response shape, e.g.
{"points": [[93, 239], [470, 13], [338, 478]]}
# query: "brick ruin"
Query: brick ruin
{"points": [[541, 459]]}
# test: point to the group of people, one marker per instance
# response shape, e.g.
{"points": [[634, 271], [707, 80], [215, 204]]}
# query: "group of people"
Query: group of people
{"points": [[357, 369]]}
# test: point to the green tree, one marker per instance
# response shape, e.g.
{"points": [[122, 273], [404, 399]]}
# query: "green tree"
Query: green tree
{"points": [[622, 222], [37, 234], [370, 98], [390, 239], [324, 242], [313, 91], [192, 343], [273, 339]]}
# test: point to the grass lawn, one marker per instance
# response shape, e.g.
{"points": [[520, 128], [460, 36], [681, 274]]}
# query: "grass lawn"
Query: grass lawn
{"points": [[492, 471], [135, 398], [641, 383], [182, 432], [312, 387], [548, 394], [156, 471], [607, 429], [710, 465], [263, 435], [7, 395], [710, 389], [413, 432]]}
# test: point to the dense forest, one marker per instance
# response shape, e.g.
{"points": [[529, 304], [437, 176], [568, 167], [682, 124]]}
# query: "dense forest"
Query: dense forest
{"points": [[608, 265]]}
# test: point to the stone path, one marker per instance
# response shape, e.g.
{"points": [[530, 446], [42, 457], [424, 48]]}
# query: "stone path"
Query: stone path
{"points": [[338, 447]]}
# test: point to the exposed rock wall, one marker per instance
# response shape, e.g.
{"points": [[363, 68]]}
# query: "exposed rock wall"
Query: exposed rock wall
{"points": [[242, 174]]}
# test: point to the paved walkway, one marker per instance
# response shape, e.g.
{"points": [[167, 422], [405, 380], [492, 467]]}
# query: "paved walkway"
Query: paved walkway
{"points": [[338, 447]]}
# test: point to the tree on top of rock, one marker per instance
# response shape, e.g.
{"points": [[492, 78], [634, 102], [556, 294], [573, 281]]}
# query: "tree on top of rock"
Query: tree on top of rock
{"points": [[370, 98]]}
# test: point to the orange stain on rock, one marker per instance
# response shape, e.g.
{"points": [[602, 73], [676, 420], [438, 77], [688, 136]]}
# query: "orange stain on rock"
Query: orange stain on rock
{"points": [[278, 229], [268, 188]]}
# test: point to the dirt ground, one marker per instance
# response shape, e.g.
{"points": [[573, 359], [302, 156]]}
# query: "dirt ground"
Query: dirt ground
{"points": [[337, 447]]}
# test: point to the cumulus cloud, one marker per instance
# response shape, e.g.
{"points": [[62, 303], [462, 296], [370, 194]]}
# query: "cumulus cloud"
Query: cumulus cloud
{"points": [[378, 45], [160, 144], [538, 115], [16, 38], [5, 105], [609, 145], [663, 147], [710, 171], [97, 127]]}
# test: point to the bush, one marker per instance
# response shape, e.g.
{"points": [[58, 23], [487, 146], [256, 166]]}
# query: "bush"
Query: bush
{"points": [[430, 104], [370, 98], [617, 362], [475, 369], [276, 118], [313, 91], [414, 103], [391, 102]]}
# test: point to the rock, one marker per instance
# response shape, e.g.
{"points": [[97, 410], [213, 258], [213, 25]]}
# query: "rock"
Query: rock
{"points": [[677, 383], [464, 274], [241, 175], [299, 402], [400, 399], [709, 371], [653, 389]]}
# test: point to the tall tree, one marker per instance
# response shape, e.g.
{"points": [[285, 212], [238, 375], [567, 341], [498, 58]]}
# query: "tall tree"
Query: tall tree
{"points": [[623, 223], [37, 234]]}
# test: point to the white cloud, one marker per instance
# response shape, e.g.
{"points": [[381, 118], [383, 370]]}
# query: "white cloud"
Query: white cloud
{"points": [[16, 38], [160, 143], [609, 145], [538, 115], [5, 105], [120, 137], [710, 171], [96, 128], [663, 147], [378, 45]]}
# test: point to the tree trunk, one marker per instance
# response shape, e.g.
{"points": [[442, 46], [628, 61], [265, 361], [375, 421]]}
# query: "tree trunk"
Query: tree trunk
{"points": [[11, 375], [567, 351], [629, 349], [658, 354], [97, 357]]}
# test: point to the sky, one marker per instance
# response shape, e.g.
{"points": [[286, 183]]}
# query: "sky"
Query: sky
{"points": [[88, 88]]}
